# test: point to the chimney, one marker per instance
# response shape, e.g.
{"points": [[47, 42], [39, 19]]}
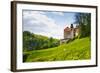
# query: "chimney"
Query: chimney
{"points": [[71, 26]]}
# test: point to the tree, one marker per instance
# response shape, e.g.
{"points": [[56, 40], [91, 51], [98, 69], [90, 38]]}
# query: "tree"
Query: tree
{"points": [[33, 41], [84, 21]]}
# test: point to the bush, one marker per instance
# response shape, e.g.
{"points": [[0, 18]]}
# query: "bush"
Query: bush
{"points": [[25, 57]]}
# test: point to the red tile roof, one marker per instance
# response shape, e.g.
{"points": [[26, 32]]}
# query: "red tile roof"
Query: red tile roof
{"points": [[67, 29]]}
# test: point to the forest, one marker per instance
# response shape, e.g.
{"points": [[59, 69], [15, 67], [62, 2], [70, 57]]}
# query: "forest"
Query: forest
{"points": [[33, 41]]}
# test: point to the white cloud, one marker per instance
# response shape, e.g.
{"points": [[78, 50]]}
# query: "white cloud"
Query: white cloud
{"points": [[58, 13], [37, 22]]}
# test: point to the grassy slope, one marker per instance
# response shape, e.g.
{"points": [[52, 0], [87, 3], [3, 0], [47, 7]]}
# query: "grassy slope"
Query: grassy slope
{"points": [[77, 50]]}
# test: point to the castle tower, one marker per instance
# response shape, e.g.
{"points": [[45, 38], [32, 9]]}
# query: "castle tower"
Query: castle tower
{"points": [[69, 32]]}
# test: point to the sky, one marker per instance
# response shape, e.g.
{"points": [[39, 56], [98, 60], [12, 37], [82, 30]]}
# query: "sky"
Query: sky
{"points": [[47, 23]]}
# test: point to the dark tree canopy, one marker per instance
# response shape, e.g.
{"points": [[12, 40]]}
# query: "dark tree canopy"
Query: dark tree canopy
{"points": [[84, 21]]}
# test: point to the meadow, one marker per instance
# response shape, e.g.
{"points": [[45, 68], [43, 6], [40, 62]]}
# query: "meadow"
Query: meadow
{"points": [[78, 49]]}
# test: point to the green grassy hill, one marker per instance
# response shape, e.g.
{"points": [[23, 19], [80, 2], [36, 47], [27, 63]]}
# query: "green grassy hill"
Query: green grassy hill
{"points": [[78, 49]]}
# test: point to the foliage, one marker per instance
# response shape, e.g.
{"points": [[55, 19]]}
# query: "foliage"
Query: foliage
{"points": [[79, 49], [33, 41], [84, 21]]}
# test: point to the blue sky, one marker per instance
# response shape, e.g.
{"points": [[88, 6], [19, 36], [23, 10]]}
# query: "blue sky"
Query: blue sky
{"points": [[47, 23]]}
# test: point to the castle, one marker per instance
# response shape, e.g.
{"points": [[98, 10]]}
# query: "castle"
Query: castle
{"points": [[70, 33]]}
